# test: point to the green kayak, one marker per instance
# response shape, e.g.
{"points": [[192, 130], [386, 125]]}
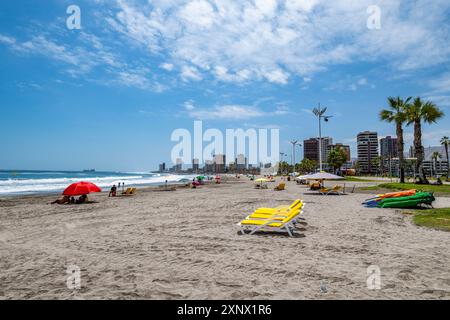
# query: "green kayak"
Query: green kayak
{"points": [[408, 202]]}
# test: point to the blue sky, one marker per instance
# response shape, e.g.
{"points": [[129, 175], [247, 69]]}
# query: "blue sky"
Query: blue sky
{"points": [[108, 96]]}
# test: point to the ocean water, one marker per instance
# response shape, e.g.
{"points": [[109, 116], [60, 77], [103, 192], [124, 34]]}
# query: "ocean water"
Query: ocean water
{"points": [[36, 182]]}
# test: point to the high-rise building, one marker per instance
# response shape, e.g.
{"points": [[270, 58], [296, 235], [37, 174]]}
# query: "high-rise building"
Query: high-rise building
{"points": [[209, 166], [162, 167], [241, 163], [341, 146], [325, 143], [367, 143], [195, 165], [219, 161], [311, 148], [388, 147]]}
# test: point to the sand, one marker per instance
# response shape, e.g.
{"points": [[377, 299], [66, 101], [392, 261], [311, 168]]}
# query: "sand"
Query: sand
{"points": [[185, 245]]}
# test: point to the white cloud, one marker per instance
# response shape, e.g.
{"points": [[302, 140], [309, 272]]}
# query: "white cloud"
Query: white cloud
{"points": [[230, 112], [255, 40], [86, 57], [441, 84], [440, 90], [439, 100], [166, 66], [233, 112], [133, 80], [362, 82], [300, 5], [198, 13], [348, 84], [7, 40], [189, 105], [275, 40], [81, 59], [190, 73]]}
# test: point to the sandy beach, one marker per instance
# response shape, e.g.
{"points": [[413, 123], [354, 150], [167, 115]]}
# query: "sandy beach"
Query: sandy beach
{"points": [[185, 245]]}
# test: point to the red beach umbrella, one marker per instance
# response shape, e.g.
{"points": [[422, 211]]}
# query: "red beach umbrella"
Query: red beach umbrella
{"points": [[80, 188]]}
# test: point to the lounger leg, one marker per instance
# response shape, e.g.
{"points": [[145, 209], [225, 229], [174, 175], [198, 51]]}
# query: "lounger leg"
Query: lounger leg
{"points": [[255, 229], [289, 231]]}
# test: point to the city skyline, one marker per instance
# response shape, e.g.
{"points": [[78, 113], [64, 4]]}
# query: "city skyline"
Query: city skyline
{"points": [[365, 162]]}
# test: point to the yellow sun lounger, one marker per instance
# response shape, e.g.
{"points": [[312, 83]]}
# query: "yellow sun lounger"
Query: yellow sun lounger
{"points": [[275, 223], [129, 192], [334, 190], [280, 208], [277, 215], [269, 212]]}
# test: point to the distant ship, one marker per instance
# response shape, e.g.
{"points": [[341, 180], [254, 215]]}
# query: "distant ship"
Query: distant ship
{"points": [[89, 170]]}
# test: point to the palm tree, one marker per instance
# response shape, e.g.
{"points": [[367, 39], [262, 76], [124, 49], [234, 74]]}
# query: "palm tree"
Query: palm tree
{"points": [[336, 158], [417, 112], [445, 141], [397, 113]]}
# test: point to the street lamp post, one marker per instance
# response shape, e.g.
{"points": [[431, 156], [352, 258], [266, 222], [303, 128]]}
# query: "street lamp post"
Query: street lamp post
{"points": [[319, 112], [298, 145]]}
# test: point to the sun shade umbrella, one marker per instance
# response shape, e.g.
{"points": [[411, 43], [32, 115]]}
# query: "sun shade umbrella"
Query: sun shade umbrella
{"points": [[261, 180], [81, 188], [323, 176], [201, 177], [302, 177]]}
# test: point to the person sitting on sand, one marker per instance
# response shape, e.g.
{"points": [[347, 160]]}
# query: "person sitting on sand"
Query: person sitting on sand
{"points": [[113, 191], [72, 200], [63, 200], [82, 199]]}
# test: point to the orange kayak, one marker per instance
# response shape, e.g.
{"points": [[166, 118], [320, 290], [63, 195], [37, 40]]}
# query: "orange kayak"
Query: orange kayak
{"points": [[405, 193]]}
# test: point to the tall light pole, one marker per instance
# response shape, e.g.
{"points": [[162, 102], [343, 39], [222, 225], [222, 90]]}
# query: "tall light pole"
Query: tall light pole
{"points": [[298, 145], [319, 112]]}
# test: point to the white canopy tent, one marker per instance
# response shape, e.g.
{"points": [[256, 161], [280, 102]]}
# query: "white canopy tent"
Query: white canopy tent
{"points": [[323, 176]]}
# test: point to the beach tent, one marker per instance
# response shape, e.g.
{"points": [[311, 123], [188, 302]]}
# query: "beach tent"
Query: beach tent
{"points": [[81, 188], [323, 176]]}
